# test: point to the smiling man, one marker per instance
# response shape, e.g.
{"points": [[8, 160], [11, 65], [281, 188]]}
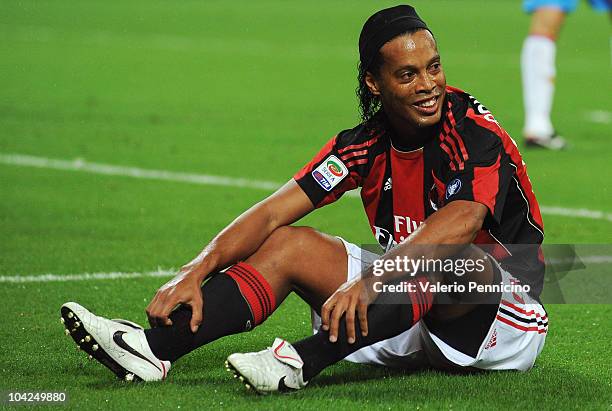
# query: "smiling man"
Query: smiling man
{"points": [[441, 183]]}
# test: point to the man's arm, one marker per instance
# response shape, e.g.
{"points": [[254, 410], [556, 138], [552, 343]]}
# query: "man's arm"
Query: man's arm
{"points": [[237, 241], [457, 224], [454, 226]]}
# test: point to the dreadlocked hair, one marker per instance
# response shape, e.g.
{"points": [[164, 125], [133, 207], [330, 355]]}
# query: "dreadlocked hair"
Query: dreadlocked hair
{"points": [[369, 104]]}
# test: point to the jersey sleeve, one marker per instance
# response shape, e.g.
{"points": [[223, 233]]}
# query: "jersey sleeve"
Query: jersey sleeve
{"points": [[332, 172], [480, 168]]}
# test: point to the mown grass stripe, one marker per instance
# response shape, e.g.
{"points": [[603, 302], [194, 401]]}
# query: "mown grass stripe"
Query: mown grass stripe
{"points": [[82, 165]]}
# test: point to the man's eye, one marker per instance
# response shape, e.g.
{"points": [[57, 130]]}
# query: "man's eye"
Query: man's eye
{"points": [[436, 66], [407, 75]]}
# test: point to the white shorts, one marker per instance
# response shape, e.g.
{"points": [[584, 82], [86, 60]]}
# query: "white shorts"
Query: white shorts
{"points": [[513, 342]]}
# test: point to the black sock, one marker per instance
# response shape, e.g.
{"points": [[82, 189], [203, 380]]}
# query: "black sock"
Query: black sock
{"points": [[384, 321], [225, 312]]}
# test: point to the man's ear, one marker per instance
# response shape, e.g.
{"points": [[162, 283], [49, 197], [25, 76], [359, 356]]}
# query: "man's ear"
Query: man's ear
{"points": [[372, 83]]}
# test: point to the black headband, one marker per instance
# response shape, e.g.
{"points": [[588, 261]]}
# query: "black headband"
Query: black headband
{"points": [[383, 26]]}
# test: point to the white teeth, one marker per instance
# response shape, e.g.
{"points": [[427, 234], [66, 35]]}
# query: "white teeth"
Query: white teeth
{"points": [[427, 103]]}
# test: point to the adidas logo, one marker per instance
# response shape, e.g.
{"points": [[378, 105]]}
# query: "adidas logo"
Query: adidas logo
{"points": [[387, 184]]}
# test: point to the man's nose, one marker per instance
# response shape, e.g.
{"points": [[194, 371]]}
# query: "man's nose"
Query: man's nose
{"points": [[425, 83]]}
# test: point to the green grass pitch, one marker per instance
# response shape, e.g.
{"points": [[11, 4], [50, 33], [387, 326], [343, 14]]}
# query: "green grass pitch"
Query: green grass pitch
{"points": [[253, 89]]}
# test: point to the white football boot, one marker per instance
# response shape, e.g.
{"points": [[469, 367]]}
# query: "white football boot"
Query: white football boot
{"points": [[277, 368], [120, 345], [554, 142]]}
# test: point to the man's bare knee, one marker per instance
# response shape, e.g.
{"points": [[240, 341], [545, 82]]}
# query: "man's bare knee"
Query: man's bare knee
{"points": [[304, 259], [289, 239], [292, 251], [547, 21], [286, 245]]}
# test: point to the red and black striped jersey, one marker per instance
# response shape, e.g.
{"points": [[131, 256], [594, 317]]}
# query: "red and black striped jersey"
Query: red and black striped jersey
{"points": [[472, 158]]}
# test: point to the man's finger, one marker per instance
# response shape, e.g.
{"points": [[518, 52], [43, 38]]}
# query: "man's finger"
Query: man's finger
{"points": [[362, 312], [151, 320], [325, 311], [350, 323], [196, 314], [167, 306], [334, 322], [151, 309]]}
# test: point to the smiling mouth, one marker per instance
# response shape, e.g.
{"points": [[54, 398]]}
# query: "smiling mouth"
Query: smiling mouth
{"points": [[428, 106]]}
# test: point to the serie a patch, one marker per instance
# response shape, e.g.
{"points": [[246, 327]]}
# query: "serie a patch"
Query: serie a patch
{"points": [[330, 172]]}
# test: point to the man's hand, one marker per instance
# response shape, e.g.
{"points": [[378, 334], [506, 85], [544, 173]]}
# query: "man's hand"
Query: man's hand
{"points": [[349, 297], [182, 289]]}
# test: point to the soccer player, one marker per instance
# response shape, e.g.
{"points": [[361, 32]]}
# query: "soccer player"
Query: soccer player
{"points": [[538, 67], [435, 168]]}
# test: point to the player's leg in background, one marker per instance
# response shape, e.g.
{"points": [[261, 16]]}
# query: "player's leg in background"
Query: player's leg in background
{"points": [[292, 259], [538, 70]]}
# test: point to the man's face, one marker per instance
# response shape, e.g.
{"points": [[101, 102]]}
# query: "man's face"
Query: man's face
{"points": [[411, 83]]}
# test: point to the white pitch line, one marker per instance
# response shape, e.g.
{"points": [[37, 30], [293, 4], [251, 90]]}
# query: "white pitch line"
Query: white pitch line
{"points": [[599, 116], [215, 180], [62, 278], [589, 259], [50, 278], [576, 212], [134, 172]]}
